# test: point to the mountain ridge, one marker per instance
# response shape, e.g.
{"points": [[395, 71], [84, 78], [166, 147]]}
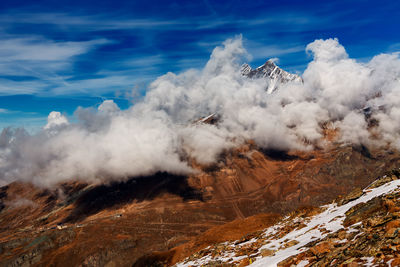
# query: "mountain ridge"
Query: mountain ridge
{"points": [[270, 71]]}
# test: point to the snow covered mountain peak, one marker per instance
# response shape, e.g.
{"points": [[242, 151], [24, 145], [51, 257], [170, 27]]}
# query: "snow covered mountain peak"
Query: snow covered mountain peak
{"points": [[270, 71]]}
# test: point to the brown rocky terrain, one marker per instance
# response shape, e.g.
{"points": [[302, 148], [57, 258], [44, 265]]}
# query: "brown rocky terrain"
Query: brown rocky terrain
{"points": [[164, 218], [366, 234]]}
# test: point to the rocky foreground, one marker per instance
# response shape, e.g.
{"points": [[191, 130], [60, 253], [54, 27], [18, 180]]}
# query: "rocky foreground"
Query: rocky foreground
{"points": [[360, 229]]}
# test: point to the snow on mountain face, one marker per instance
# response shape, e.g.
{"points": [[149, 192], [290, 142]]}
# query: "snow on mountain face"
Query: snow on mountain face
{"points": [[269, 71], [272, 72]]}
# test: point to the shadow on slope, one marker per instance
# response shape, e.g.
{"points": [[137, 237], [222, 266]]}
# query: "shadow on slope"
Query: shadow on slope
{"points": [[138, 189], [278, 155]]}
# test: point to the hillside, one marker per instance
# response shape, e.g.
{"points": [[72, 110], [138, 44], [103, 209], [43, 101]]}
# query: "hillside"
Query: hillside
{"points": [[95, 225], [359, 229]]}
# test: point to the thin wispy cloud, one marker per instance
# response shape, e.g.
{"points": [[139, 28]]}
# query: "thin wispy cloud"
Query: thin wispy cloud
{"points": [[95, 86], [265, 52], [90, 22], [43, 50], [143, 62], [10, 87], [100, 22], [40, 59]]}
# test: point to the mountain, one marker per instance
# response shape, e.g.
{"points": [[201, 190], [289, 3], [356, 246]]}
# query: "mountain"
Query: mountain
{"points": [[270, 71], [162, 219], [128, 222], [359, 229], [233, 210]]}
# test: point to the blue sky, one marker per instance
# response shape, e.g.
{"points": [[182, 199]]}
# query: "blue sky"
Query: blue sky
{"points": [[58, 55]]}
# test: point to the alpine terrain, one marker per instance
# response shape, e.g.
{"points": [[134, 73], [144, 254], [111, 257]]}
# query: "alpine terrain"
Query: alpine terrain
{"points": [[334, 203], [274, 75]]}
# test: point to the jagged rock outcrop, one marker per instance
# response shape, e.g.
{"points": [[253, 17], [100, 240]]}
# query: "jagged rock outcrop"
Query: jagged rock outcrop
{"points": [[274, 75]]}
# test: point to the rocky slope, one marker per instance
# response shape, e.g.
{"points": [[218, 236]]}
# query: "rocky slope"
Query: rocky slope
{"points": [[360, 229], [117, 224], [274, 75]]}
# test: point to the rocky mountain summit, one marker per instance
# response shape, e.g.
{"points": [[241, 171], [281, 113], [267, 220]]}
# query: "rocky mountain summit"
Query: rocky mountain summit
{"points": [[272, 73]]}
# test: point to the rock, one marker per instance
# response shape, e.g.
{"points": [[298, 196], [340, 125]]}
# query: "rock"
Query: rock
{"points": [[350, 261], [267, 252], [272, 73], [301, 225], [392, 232], [356, 193], [392, 224], [322, 248], [291, 243], [245, 262], [378, 221], [287, 262], [395, 262], [382, 181], [362, 211], [353, 264], [390, 205], [342, 234]]}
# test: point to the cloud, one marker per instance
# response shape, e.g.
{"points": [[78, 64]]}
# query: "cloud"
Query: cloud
{"points": [[95, 86], [102, 22], [10, 87], [39, 49], [266, 51], [296, 19], [55, 120], [88, 22], [39, 59], [159, 133], [327, 50]]}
